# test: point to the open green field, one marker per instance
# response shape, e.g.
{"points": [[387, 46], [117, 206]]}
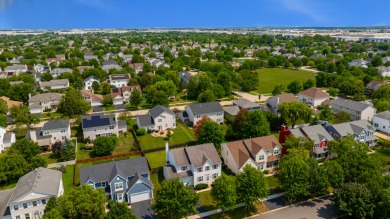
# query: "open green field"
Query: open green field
{"points": [[269, 77]]}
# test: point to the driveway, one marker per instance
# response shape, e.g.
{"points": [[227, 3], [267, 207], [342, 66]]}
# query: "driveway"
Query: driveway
{"points": [[317, 208], [120, 107], [275, 203], [143, 210]]}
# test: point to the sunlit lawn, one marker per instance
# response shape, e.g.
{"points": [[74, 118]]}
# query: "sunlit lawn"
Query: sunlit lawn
{"points": [[67, 178], [49, 158], [156, 159]]}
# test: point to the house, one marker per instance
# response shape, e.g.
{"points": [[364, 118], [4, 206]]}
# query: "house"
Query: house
{"points": [[45, 101], [109, 62], [89, 56], [240, 104], [108, 56], [92, 98], [31, 194], [360, 130], [137, 67], [6, 139], [11, 103], [84, 67], [55, 72], [193, 165], [102, 125], [122, 181], [119, 80], [54, 84], [373, 86], [358, 63], [385, 59], [123, 94], [356, 110], [384, 71], [56, 60], [50, 133], [195, 111], [316, 56], [274, 102], [40, 68], [316, 133], [184, 77], [381, 122], [89, 81], [158, 118], [261, 153], [313, 96]]}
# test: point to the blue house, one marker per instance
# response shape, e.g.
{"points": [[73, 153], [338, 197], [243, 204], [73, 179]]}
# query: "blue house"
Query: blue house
{"points": [[360, 130], [122, 181]]}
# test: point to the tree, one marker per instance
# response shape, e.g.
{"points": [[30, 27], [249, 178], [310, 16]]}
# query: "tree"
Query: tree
{"points": [[239, 121], [210, 132], [120, 211], [251, 186], [25, 147], [13, 166], [326, 114], [223, 191], [107, 100], [341, 117], [255, 125], [95, 86], [3, 121], [278, 89], [382, 105], [46, 76], [37, 161], [355, 199], [318, 180], [23, 115], [175, 200], [3, 107], [206, 96], [167, 86], [335, 173], [293, 111], [294, 87], [309, 84], [377, 61], [104, 145], [73, 103], [333, 91], [248, 80], [225, 81], [135, 98]]}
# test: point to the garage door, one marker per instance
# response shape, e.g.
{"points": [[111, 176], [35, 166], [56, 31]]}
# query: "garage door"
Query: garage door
{"points": [[140, 197]]}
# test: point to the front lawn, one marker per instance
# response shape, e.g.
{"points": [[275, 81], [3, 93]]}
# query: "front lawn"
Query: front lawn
{"points": [[181, 135], [207, 201], [156, 159], [51, 115], [67, 178], [109, 108], [269, 77], [274, 184]]}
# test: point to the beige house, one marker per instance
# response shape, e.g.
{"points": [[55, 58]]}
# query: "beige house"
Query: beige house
{"points": [[51, 132], [54, 84], [41, 102], [313, 96], [102, 125]]}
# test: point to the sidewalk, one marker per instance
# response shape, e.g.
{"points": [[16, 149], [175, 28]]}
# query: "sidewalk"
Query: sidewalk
{"points": [[216, 211], [54, 165]]}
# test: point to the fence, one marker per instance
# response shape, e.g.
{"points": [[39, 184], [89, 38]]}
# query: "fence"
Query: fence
{"points": [[190, 143]]}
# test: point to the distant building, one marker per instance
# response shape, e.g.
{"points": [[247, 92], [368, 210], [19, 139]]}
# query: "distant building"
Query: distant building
{"points": [[381, 121], [356, 110]]}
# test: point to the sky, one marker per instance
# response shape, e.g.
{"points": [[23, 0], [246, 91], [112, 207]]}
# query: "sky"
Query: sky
{"points": [[73, 14]]}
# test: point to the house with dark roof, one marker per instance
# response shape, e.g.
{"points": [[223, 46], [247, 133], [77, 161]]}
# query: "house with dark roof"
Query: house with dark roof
{"points": [[274, 102], [195, 111], [55, 72], [137, 67], [122, 181], [240, 104], [193, 165], [31, 194], [51, 132], [356, 110], [381, 122], [360, 130], [373, 86], [158, 118], [261, 153], [102, 125], [119, 80], [122, 94], [316, 133], [313, 96]]}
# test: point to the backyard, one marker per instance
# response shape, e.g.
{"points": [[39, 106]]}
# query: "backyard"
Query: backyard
{"points": [[181, 135], [156, 159], [67, 177], [269, 77]]}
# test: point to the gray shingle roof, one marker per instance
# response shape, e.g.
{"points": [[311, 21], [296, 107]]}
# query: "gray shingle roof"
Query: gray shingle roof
{"points": [[384, 115], [157, 110], [90, 121], [352, 128], [203, 108], [54, 82], [7, 137], [119, 77], [5, 195], [232, 110], [244, 103], [145, 120], [106, 171], [56, 124], [131, 184], [350, 104], [317, 133], [199, 154], [46, 97], [41, 180]]}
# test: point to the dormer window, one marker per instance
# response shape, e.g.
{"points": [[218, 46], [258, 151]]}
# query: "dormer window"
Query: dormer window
{"points": [[103, 184], [200, 169], [215, 166], [207, 168], [276, 151]]}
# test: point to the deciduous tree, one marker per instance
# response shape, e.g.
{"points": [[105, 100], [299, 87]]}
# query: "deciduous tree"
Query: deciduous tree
{"points": [[104, 145], [255, 125], [210, 132], [223, 191], [73, 103], [293, 111]]}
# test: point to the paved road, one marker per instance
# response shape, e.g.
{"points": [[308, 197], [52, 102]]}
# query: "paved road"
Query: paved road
{"points": [[318, 208]]}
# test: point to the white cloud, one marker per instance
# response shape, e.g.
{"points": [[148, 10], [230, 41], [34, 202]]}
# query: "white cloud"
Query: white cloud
{"points": [[305, 7]]}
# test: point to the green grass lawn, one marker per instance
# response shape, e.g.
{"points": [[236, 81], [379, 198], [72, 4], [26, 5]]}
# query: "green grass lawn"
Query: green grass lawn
{"points": [[181, 134], [67, 178], [269, 77], [124, 144], [108, 108], [157, 179], [207, 201], [383, 155], [156, 159], [274, 184], [49, 158], [51, 115]]}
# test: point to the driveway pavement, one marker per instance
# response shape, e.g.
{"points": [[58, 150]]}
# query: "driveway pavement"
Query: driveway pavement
{"points": [[143, 210], [275, 203], [317, 208], [97, 109], [382, 135]]}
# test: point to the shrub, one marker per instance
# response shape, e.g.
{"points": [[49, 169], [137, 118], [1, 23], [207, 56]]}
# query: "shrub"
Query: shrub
{"points": [[84, 147], [266, 171], [150, 131], [47, 110], [201, 186], [141, 131], [87, 140]]}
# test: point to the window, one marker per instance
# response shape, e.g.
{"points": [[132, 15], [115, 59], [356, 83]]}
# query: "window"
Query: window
{"points": [[159, 120], [200, 169], [197, 116], [261, 166], [276, 151], [119, 197], [215, 175], [43, 201], [219, 114], [63, 130], [63, 137], [24, 205], [27, 216], [269, 152], [17, 217], [183, 168], [118, 186], [200, 178], [207, 177], [207, 168], [219, 120], [16, 207], [36, 215], [34, 203], [111, 127], [215, 166], [261, 157], [376, 125], [174, 124], [103, 184]]}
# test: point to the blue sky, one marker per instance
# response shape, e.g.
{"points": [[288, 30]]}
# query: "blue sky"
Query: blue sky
{"points": [[69, 14]]}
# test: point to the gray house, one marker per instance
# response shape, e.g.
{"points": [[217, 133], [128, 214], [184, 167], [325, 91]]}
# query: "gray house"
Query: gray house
{"points": [[356, 110], [41, 102], [54, 84], [122, 181], [51, 132], [194, 112], [102, 125], [361, 131], [158, 118]]}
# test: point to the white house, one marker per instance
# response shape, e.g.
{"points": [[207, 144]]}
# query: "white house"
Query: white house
{"points": [[193, 165], [356, 110], [262, 153], [194, 112], [92, 98], [384, 71], [31, 194], [54, 84], [51, 132], [119, 80], [274, 102], [6, 139], [313, 96], [89, 81], [381, 121], [158, 118], [123, 94], [55, 72]]}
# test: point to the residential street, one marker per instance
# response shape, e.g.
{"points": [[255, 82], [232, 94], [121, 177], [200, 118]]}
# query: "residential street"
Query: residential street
{"points": [[318, 208]]}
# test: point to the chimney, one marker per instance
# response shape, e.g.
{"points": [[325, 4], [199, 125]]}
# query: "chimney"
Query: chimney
{"points": [[166, 151]]}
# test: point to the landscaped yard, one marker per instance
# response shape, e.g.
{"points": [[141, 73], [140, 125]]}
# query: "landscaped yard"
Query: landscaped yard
{"points": [[274, 184], [156, 159], [51, 115], [157, 179], [382, 154], [67, 178], [49, 158], [269, 77], [207, 201], [181, 135]]}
